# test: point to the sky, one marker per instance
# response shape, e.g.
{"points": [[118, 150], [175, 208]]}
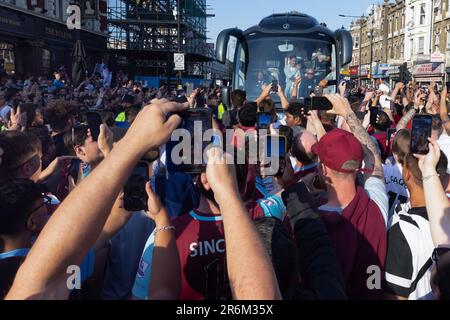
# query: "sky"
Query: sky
{"points": [[246, 13]]}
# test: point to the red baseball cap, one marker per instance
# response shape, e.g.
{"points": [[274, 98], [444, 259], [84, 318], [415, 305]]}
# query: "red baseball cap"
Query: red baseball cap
{"points": [[338, 147]]}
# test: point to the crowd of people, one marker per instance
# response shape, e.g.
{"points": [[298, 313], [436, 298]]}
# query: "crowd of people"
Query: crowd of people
{"points": [[354, 214]]}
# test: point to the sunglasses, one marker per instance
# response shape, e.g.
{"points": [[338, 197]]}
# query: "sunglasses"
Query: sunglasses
{"points": [[47, 201]]}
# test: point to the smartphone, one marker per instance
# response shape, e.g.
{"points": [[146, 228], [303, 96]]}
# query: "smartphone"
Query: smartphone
{"points": [[279, 153], [373, 115], [135, 196], [448, 86], [94, 121], [188, 164], [390, 133], [74, 170], [275, 86], [318, 103], [421, 131], [264, 120]]}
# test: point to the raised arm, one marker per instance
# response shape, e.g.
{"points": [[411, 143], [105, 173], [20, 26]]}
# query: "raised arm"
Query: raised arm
{"points": [[372, 157], [284, 101], [81, 217], [403, 123], [438, 206], [443, 110], [297, 83], [250, 269], [265, 94], [165, 279], [117, 219], [398, 87]]}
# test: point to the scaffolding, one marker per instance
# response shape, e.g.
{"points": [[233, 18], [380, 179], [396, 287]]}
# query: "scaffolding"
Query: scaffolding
{"points": [[147, 32]]}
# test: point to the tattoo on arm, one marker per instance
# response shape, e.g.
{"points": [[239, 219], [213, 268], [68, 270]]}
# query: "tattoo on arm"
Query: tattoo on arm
{"points": [[364, 138], [406, 119]]}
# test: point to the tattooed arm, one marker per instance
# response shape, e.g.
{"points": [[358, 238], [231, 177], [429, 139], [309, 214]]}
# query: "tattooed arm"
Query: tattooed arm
{"points": [[372, 157], [403, 123]]}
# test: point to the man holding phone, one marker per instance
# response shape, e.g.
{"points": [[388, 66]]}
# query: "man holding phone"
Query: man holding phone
{"points": [[291, 71], [91, 152]]}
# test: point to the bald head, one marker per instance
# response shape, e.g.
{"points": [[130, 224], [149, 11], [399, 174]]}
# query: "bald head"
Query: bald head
{"points": [[301, 148]]}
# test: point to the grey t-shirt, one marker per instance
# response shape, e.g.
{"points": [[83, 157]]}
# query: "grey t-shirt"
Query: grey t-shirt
{"points": [[123, 260]]}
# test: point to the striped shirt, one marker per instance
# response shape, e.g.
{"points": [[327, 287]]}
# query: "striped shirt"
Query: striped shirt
{"points": [[410, 248]]}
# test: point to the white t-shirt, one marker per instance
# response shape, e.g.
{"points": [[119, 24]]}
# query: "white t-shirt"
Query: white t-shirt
{"points": [[395, 188]]}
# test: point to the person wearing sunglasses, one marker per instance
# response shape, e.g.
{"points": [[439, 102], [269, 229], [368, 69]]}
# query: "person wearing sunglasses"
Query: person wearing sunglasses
{"points": [[23, 214], [308, 84]]}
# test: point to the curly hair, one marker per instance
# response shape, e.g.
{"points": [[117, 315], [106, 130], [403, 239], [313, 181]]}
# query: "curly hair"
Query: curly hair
{"points": [[58, 112]]}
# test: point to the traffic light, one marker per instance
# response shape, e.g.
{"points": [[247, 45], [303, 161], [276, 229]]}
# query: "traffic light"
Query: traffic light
{"points": [[405, 75]]}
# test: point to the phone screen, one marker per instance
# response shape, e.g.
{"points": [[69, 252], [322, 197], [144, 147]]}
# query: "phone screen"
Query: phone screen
{"points": [[373, 115], [135, 196], [275, 85], [319, 103], [272, 141], [264, 120], [279, 152], [94, 121], [421, 131], [189, 165]]}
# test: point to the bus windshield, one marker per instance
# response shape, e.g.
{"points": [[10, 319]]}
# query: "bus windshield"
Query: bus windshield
{"points": [[283, 60]]}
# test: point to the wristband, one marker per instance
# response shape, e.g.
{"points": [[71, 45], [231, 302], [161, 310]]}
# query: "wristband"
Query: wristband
{"points": [[430, 176], [166, 228]]}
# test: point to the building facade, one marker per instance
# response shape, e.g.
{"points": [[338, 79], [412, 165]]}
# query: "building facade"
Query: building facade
{"points": [[397, 36], [35, 38]]}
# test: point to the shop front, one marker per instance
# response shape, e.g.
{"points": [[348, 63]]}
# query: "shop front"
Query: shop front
{"points": [[354, 72], [428, 72], [40, 46], [394, 74]]}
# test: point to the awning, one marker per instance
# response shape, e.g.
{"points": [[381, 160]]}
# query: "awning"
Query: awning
{"points": [[429, 79]]}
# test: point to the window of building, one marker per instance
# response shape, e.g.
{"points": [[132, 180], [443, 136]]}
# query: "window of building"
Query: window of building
{"points": [[437, 40], [423, 13], [402, 50], [448, 41], [356, 42], [46, 60], [411, 46], [421, 45], [7, 54]]}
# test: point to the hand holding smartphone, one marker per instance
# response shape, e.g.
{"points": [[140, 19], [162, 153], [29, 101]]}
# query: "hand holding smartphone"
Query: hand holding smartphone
{"points": [[275, 86], [135, 196], [318, 103], [420, 133], [190, 118], [276, 153]]}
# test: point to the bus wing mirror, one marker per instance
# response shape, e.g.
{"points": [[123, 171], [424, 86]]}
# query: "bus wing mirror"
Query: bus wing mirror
{"points": [[222, 42], [226, 97], [344, 44]]}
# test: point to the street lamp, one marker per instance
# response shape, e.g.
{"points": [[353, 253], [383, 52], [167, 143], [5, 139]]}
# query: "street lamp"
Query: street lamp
{"points": [[360, 20]]}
